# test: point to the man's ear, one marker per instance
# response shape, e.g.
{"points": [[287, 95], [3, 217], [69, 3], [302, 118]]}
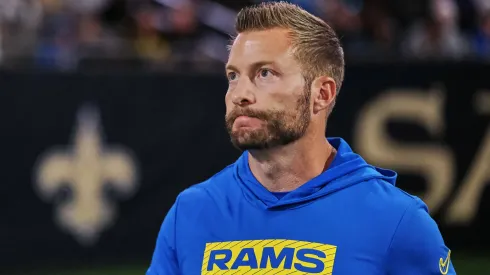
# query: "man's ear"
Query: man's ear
{"points": [[324, 91]]}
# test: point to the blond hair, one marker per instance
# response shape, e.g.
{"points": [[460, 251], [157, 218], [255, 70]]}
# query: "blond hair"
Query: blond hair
{"points": [[315, 44]]}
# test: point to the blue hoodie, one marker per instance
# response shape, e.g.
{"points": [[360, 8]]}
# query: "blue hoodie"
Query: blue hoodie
{"points": [[351, 219]]}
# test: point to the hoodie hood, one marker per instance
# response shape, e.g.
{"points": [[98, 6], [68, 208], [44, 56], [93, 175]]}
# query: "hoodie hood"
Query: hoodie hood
{"points": [[346, 170]]}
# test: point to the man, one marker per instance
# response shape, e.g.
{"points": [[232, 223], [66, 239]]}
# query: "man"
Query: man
{"points": [[294, 202]]}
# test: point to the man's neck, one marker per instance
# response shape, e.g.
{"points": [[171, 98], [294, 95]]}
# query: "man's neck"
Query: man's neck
{"points": [[288, 167]]}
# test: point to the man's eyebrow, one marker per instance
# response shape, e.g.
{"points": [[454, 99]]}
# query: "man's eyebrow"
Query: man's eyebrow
{"points": [[258, 64], [230, 67]]}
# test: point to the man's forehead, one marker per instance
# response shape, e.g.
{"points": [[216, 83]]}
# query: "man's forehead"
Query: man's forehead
{"points": [[260, 47], [272, 40]]}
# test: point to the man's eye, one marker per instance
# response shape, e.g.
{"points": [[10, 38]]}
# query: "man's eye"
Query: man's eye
{"points": [[265, 73], [232, 76]]}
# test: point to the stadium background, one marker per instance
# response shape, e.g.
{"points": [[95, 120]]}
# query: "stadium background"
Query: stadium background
{"points": [[108, 109]]}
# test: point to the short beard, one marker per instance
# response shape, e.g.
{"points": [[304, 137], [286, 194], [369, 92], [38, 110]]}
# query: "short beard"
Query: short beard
{"points": [[281, 127]]}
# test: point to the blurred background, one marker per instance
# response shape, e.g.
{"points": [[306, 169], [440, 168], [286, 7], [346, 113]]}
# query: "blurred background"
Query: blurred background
{"points": [[164, 34], [110, 108]]}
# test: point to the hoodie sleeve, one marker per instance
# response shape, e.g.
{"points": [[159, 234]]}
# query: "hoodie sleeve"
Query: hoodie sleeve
{"points": [[164, 261], [417, 246]]}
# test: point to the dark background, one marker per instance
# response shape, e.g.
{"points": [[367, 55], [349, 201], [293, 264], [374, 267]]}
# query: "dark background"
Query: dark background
{"points": [[173, 124]]}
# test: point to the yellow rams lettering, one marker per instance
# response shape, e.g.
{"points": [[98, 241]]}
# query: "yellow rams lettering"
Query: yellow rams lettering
{"points": [[262, 256]]}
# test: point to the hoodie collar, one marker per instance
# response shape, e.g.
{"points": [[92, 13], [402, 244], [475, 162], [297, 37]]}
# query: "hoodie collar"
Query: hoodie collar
{"points": [[346, 169]]}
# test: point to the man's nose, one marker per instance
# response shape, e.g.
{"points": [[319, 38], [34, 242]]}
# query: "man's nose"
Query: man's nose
{"points": [[243, 94]]}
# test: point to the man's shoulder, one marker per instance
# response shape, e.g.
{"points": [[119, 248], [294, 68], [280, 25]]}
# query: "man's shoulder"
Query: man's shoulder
{"points": [[380, 207], [393, 199]]}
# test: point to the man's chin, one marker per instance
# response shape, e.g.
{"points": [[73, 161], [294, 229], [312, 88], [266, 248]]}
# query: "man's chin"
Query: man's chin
{"points": [[245, 144], [249, 147]]}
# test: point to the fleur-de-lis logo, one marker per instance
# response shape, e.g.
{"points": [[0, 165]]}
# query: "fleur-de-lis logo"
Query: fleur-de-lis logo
{"points": [[87, 169]]}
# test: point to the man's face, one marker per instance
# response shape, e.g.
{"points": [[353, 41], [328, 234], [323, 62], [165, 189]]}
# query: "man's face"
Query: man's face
{"points": [[267, 103]]}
